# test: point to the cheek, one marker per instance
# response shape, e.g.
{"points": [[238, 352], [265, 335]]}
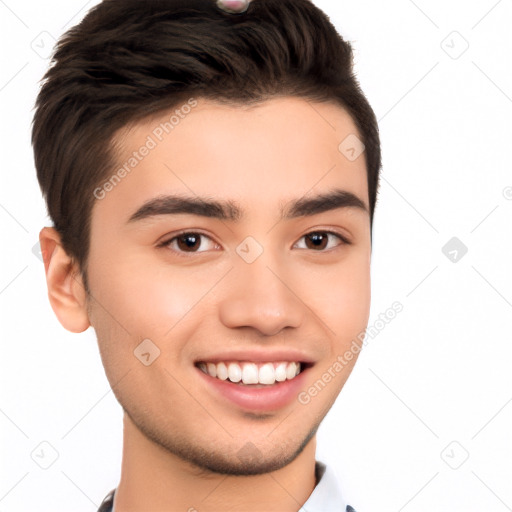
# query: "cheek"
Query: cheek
{"points": [[341, 297], [138, 299], [134, 303]]}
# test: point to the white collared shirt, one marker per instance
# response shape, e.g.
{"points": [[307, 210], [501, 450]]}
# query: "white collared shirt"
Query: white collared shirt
{"points": [[327, 495]]}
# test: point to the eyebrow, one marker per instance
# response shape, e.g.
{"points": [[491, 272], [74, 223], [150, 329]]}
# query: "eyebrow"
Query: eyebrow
{"points": [[231, 211]]}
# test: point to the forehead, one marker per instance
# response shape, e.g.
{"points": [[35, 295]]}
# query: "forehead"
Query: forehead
{"points": [[283, 147]]}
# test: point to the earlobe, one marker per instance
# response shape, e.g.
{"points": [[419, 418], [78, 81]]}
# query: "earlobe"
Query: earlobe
{"points": [[66, 291]]}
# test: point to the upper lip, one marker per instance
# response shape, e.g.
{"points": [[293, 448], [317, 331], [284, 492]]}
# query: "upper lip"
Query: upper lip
{"points": [[259, 356]]}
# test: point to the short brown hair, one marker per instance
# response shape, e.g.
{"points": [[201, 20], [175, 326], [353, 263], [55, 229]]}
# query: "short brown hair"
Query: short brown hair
{"points": [[129, 59]]}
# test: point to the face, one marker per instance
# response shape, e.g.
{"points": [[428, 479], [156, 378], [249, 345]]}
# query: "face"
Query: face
{"points": [[273, 273]]}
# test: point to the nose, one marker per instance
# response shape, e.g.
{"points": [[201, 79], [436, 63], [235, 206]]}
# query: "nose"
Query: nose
{"points": [[260, 295]]}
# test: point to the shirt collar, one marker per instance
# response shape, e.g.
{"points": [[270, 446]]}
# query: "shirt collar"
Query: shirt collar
{"points": [[327, 495]]}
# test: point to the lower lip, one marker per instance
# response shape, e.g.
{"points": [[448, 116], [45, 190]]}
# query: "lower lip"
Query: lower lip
{"points": [[269, 398]]}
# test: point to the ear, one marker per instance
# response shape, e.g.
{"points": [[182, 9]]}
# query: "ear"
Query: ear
{"points": [[66, 291]]}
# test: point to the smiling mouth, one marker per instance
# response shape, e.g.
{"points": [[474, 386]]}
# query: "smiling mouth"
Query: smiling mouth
{"points": [[253, 374]]}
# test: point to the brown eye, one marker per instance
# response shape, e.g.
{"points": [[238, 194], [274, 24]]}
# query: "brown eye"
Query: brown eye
{"points": [[316, 241], [189, 241], [319, 241]]}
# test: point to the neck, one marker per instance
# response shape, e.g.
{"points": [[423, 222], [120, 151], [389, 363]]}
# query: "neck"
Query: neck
{"points": [[154, 479]]}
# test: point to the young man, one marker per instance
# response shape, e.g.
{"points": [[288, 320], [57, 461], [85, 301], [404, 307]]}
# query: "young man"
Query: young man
{"points": [[212, 176]]}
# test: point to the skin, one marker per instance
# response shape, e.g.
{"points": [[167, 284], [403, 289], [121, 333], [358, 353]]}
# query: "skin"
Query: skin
{"points": [[180, 438], [233, 6]]}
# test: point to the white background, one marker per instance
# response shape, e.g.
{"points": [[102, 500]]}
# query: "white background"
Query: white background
{"points": [[432, 388]]}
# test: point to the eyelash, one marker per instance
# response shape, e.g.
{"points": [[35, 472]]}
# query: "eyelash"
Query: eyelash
{"points": [[184, 254]]}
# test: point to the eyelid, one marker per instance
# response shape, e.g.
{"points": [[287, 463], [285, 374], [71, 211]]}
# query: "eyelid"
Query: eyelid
{"points": [[170, 238], [344, 240]]}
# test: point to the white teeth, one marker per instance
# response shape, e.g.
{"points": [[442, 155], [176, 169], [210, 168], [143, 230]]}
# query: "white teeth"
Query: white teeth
{"points": [[212, 369], [281, 372], [267, 374], [222, 371], [234, 372], [291, 371], [252, 373]]}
